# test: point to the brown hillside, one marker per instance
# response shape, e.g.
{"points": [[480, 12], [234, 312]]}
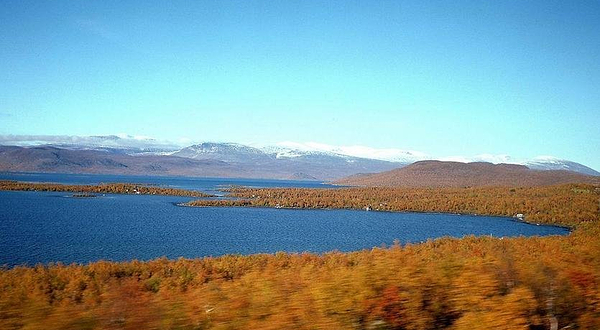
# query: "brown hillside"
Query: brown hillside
{"points": [[433, 173]]}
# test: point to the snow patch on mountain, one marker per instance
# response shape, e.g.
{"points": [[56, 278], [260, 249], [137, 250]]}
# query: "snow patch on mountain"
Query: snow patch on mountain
{"points": [[488, 158], [292, 151], [135, 137], [390, 154], [288, 153], [124, 142], [554, 163]]}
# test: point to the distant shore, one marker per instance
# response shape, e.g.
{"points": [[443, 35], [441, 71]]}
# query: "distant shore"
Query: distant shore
{"points": [[107, 188]]}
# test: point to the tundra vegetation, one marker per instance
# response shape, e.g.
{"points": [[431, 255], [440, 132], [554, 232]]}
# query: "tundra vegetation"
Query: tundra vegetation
{"points": [[105, 188], [449, 283], [568, 204]]}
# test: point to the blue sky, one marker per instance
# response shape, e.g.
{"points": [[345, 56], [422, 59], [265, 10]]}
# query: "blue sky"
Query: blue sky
{"points": [[442, 77]]}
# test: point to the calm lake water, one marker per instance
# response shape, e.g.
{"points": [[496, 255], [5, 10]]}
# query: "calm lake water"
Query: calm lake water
{"points": [[42, 227], [208, 185]]}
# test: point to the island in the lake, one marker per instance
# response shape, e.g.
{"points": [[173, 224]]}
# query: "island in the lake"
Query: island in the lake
{"points": [[107, 188]]}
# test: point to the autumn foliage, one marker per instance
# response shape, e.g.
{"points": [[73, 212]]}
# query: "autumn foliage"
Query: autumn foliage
{"points": [[105, 188], [567, 204], [448, 283]]}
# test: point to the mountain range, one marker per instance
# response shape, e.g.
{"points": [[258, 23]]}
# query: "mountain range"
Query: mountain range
{"points": [[122, 154], [203, 160]]}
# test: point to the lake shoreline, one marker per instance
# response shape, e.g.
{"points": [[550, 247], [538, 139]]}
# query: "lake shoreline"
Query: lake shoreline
{"points": [[124, 227], [237, 198], [505, 217]]}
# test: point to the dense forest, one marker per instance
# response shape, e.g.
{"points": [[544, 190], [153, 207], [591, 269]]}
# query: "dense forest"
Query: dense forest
{"points": [[105, 188], [448, 283]]}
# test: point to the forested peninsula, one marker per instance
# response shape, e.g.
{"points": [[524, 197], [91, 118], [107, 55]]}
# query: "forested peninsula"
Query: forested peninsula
{"points": [[568, 204]]}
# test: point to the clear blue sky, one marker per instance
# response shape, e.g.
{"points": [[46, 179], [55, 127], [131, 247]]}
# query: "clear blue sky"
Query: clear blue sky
{"points": [[442, 77]]}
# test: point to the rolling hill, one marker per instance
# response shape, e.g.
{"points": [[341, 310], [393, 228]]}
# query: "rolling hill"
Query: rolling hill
{"points": [[432, 173]]}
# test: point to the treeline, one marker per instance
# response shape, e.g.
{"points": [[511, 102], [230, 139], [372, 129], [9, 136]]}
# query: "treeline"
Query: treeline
{"points": [[105, 188], [567, 204]]}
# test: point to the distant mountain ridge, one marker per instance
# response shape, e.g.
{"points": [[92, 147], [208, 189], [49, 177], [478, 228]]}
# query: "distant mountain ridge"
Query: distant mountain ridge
{"points": [[60, 160], [239, 153], [207, 160], [433, 173], [311, 161]]}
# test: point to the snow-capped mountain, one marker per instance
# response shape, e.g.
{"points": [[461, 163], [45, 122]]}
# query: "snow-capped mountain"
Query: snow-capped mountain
{"points": [[228, 152], [388, 154], [553, 163], [276, 159], [294, 149], [283, 152]]}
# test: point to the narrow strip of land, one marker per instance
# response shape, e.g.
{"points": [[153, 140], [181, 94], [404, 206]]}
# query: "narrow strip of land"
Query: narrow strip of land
{"points": [[568, 204], [105, 188]]}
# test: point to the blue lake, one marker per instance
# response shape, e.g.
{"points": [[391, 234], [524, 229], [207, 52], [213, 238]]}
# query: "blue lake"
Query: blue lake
{"points": [[42, 227]]}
